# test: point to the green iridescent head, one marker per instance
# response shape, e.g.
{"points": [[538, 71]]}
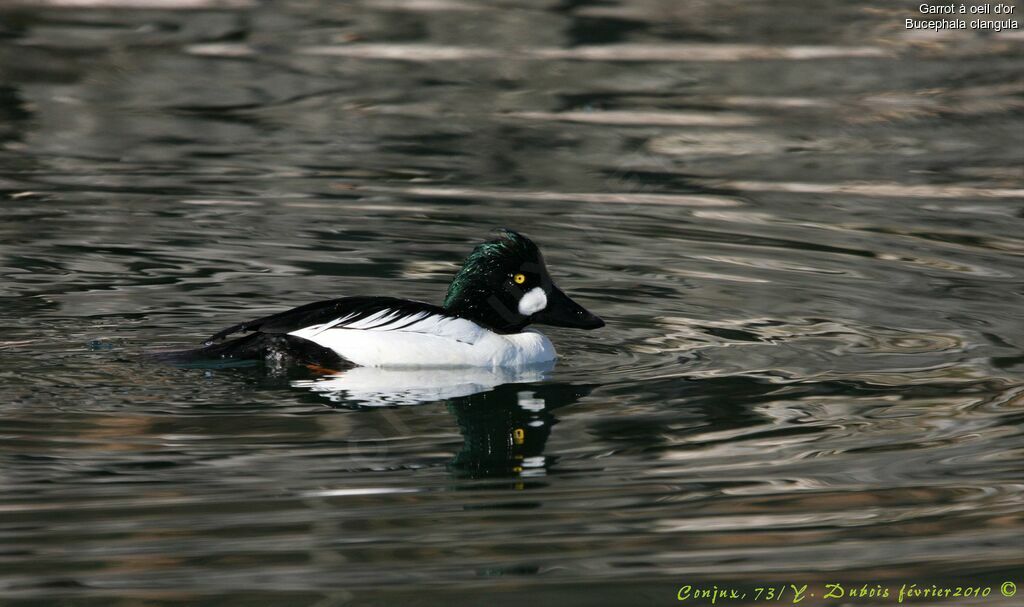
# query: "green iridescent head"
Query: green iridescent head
{"points": [[504, 286]]}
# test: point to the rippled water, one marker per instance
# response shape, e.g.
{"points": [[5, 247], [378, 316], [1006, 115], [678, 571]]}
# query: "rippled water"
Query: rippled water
{"points": [[801, 223]]}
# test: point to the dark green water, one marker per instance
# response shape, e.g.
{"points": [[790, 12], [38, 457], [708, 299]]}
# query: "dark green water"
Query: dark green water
{"points": [[802, 223]]}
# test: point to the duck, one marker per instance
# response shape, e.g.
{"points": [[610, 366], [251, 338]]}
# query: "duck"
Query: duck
{"points": [[502, 288]]}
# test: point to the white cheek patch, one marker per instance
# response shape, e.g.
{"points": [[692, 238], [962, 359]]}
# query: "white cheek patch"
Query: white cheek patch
{"points": [[533, 301]]}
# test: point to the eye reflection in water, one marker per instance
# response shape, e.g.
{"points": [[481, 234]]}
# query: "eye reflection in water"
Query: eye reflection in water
{"points": [[504, 415]]}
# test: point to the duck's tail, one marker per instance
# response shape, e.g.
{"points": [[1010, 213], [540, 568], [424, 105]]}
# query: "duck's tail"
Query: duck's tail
{"points": [[275, 349], [253, 346]]}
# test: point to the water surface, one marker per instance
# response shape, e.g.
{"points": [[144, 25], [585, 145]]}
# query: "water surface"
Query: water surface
{"points": [[801, 223]]}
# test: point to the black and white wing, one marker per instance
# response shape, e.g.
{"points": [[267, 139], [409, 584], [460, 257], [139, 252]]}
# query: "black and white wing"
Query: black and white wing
{"points": [[362, 313]]}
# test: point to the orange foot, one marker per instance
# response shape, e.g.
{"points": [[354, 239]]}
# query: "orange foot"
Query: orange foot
{"points": [[323, 370]]}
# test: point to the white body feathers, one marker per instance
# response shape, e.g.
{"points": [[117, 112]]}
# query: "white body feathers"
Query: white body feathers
{"points": [[423, 339]]}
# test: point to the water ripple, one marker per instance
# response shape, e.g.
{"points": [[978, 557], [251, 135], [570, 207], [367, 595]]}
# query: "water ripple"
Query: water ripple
{"points": [[804, 238]]}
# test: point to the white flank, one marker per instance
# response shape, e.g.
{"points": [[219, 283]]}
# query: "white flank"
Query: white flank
{"points": [[388, 339], [533, 301]]}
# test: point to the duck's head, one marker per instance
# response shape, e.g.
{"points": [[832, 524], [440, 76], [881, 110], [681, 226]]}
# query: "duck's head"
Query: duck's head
{"points": [[504, 286]]}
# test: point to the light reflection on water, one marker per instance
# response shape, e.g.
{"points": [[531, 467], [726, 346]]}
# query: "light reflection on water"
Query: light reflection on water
{"points": [[804, 238]]}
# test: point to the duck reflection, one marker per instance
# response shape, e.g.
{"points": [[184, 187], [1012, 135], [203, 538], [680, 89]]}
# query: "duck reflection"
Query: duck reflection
{"points": [[505, 430], [504, 415], [382, 387]]}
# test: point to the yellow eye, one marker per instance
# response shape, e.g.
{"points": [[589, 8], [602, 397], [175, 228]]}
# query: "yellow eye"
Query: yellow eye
{"points": [[519, 278]]}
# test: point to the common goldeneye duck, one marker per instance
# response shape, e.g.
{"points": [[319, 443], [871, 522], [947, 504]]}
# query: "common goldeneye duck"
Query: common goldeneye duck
{"points": [[501, 289]]}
